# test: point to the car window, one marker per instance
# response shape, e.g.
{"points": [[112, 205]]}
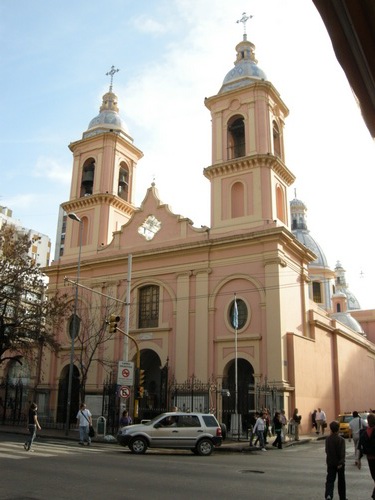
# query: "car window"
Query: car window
{"points": [[210, 421], [169, 421], [189, 421]]}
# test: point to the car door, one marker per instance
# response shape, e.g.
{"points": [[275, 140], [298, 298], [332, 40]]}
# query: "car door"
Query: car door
{"points": [[165, 433]]}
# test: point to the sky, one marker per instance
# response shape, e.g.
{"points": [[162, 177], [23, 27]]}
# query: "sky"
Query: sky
{"points": [[171, 55]]}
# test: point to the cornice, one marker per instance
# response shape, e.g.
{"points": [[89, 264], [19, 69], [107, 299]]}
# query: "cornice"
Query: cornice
{"points": [[98, 199], [239, 165]]}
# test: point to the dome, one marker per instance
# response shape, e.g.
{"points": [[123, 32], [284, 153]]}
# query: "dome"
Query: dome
{"points": [[348, 320], [245, 70], [108, 120], [299, 229], [304, 237], [343, 287]]}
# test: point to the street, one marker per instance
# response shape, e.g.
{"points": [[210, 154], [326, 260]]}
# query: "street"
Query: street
{"points": [[61, 469]]}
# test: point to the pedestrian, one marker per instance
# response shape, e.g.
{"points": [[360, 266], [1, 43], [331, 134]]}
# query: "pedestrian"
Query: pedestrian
{"points": [[296, 420], [125, 419], [32, 425], [267, 428], [84, 420], [355, 425], [321, 421], [253, 419], [284, 428], [277, 425], [313, 420], [335, 451], [367, 446], [259, 429]]}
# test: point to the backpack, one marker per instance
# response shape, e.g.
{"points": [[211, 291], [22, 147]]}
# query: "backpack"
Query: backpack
{"points": [[366, 444]]}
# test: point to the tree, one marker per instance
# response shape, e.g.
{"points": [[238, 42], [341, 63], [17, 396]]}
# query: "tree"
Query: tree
{"points": [[29, 316], [93, 337]]}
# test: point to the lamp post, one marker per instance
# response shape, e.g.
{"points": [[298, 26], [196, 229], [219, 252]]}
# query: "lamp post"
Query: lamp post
{"points": [[74, 217]]}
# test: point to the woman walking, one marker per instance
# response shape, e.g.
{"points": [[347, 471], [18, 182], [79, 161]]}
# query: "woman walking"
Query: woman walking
{"points": [[32, 425]]}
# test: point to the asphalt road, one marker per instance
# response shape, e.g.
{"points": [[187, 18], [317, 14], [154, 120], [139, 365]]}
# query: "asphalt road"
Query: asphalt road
{"points": [[64, 470]]}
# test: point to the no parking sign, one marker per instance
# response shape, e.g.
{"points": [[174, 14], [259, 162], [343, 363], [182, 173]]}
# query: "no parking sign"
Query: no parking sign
{"points": [[125, 392], [125, 373]]}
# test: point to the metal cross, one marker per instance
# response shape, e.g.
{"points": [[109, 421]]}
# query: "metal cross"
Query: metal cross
{"points": [[244, 20], [111, 73]]}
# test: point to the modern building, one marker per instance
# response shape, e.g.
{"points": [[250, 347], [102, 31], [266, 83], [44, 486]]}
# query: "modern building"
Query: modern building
{"points": [[229, 317], [40, 248]]}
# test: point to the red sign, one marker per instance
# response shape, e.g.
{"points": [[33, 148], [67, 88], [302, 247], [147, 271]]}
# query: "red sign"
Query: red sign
{"points": [[125, 392], [125, 373]]}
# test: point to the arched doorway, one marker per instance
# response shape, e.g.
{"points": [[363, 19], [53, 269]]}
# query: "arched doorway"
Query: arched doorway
{"points": [[62, 400], [155, 398], [246, 393]]}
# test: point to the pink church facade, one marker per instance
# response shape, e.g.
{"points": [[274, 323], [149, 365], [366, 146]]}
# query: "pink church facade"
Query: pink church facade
{"points": [[286, 352]]}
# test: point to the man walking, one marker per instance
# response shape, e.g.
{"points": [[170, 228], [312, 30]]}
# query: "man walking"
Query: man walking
{"points": [[84, 420], [335, 451], [355, 425], [320, 418]]}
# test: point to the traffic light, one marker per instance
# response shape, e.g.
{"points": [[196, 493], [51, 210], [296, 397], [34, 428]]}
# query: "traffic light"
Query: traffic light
{"points": [[113, 320], [140, 379], [140, 392]]}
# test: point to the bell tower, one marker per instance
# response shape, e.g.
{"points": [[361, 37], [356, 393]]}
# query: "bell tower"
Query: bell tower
{"points": [[103, 178], [248, 176]]}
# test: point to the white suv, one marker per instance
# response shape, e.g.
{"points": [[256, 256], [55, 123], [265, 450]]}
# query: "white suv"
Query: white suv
{"points": [[198, 432]]}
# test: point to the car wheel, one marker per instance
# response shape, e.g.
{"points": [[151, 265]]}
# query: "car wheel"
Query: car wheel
{"points": [[138, 445], [204, 447], [223, 431]]}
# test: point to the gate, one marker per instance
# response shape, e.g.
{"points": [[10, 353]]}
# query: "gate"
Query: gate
{"points": [[12, 393], [192, 395]]}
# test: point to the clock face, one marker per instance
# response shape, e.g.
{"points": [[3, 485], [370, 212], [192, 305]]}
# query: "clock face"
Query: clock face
{"points": [[150, 227]]}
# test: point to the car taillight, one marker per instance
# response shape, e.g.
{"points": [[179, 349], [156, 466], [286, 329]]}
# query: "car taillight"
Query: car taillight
{"points": [[218, 432]]}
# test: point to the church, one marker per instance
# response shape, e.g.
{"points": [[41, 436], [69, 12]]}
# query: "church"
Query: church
{"points": [[229, 318]]}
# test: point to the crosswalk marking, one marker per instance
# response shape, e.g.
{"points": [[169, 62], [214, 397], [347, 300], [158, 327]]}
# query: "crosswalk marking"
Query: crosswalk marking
{"points": [[15, 451]]}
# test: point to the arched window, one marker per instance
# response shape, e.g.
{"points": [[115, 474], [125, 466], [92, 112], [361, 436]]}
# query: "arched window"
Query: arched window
{"points": [[74, 326], [276, 140], [338, 308], [242, 313], [236, 138], [148, 309], [237, 200], [123, 182], [88, 173]]}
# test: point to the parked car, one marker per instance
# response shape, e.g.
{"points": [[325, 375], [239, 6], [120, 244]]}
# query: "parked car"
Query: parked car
{"points": [[345, 418], [198, 432]]}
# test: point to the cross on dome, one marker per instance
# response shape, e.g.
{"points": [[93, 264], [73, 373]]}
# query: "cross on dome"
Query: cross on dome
{"points": [[111, 73], [244, 20]]}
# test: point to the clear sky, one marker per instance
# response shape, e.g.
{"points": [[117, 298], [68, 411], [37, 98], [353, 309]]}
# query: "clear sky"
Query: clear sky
{"points": [[171, 55]]}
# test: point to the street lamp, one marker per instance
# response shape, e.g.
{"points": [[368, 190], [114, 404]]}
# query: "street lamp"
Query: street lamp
{"points": [[74, 217]]}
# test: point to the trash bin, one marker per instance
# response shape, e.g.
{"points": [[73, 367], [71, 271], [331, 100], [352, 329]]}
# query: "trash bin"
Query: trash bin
{"points": [[101, 425]]}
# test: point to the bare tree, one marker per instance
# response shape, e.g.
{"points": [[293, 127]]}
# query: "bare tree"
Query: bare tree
{"points": [[94, 342]]}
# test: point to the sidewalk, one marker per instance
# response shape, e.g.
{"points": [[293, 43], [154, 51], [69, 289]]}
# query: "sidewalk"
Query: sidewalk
{"points": [[229, 445]]}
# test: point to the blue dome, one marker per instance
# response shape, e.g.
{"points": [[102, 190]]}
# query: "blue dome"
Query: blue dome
{"points": [[245, 70], [108, 120]]}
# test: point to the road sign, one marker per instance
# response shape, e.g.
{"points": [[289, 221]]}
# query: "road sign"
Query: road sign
{"points": [[125, 392], [125, 373]]}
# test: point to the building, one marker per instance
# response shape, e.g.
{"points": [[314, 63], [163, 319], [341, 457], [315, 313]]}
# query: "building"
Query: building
{"points": [[225, 317], [40, 248]]}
